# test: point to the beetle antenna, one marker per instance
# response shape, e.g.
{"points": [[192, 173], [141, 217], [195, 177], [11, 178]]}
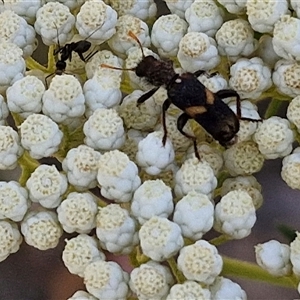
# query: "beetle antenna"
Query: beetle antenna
{"points": [[133, 36], [116, 68]]}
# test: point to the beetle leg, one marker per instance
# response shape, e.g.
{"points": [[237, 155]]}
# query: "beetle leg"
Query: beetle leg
{"points": [[146, 96], [208, 75], [181, 121], [165, 107]]}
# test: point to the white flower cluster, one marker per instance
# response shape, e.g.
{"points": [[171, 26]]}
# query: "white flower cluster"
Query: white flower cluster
{"points": [[126, 178]]}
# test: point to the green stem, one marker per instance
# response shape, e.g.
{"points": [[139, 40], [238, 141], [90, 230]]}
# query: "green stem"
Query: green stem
{"points": [[177, 274], [221, 239], [28, 165], [51, 60], [273, 108], [242, 269]]}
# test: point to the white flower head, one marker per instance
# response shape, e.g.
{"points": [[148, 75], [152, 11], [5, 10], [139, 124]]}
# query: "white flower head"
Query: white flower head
{"points": [[286, 38], [194, 206], [54, 22], [15, 29], [104, 130], [152, 155], [290, 171], [195, 175], [10, 239], [295, 4], [224, 288], [247, 128], [72, 4], [234, 6], [106, 280], [200, 262], [46, 185], [12, 64], [81, 166], [178, 7], [266, 51], [293, 112], [4, 112], [40, 136], [160, 238], [64, 99], [102, 91], [77, 213], [121, 41], [197, 51], [143, 10], [116, 229], [274, 137], [188, 290], [143, 117], [213, 83], [235, 214], [243, 158], [295, 254], [250, 77], [151, 281], [262, 15], [14, 201], [274, 257], [82, 295], [41, 229], [235, 38], [79, 252], [204, 16], [10, 148], [245, 183], [117, 176], [96, 14], [25, 96], [166, 33], [152, 198]]}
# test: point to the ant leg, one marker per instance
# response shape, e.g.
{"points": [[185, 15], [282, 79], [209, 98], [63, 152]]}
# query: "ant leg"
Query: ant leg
{"points": [[146, 96], [46, 80], [165, 107], [181, 121], [88, 57]]}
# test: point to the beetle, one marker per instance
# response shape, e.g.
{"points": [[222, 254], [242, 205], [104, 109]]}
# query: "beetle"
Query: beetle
{"points": [[196, 101]]}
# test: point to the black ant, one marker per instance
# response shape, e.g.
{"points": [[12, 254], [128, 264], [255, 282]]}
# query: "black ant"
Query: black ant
{"points": [[196, 101]]}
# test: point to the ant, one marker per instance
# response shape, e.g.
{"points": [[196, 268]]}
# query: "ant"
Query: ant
{"points": [[196, 101]]}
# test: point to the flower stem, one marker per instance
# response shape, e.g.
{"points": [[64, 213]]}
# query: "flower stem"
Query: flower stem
{"points": [[221, 239], [242, 269], [32, 64], [273, 108], [177, 274], [28, 165]]}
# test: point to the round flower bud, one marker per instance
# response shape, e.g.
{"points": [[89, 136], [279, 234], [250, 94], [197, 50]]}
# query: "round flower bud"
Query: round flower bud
{"points": [[235, 38], [10, 148], [295, 4], [96, 15], [285, 76], [160, 238], [250, 77], [10, 239], [295, 254], [213, 83], [204, 16], [72, 4], [104, 130], [64, 99], [82, 295], [248, 184], [46, 185], [40, 136], [54, 23], [293, 112], [274, 137], [25, 96], [195, 175], [106, 280], [274, 257], [79, 252], [15, 29], [263, 15], [235, 214], [166, 33], [121, 41], [152, 155], [81, 167], [200, 262], [224, 288], [178, 7], [152, 198], [234, 6], [243, 158], [188, 290], [197, 51], [151, 281], [4, 112], [117, 176], [116, 230], [290, 171], [77, 213], [194, 206], [41, 229]]}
